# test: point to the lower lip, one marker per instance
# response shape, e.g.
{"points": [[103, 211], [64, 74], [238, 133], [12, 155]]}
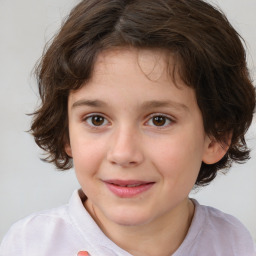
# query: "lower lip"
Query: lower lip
{"points": [[128, 192]]}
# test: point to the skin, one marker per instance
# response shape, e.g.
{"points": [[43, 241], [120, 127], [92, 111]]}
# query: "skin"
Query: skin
{"points": [[128, 91]]}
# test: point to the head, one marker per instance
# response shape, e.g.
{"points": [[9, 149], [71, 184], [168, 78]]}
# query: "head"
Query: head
{"points": [[204, 50]]}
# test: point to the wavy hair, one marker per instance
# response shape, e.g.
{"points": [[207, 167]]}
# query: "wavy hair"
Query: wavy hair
{"points": [[209, 52]]}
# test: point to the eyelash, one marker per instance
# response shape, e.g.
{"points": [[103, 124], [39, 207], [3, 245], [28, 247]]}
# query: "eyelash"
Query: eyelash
{"points": [[87, 118], [166, 118]]}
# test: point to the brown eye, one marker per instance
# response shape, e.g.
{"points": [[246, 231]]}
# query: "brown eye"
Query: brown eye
{"points": [[159, 121], [96, 120]]}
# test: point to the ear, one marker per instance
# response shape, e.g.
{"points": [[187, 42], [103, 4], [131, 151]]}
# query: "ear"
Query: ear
{"points": [[68, 150], [214, 150]]}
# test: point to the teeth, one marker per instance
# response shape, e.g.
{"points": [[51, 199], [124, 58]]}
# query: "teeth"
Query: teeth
{"points": [[133, 185], [130, 186]]}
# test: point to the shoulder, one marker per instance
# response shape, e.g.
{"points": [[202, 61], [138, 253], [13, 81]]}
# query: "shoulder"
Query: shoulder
{"points": [[49, 217], [34, 229], [49, 232], [223, 232], [220, 222]]}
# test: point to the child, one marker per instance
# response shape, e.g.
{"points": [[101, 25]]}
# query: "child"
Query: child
{"points": [[147, 99]]}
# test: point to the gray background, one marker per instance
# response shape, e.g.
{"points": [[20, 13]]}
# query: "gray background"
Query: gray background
{"points": [[26, 183]]}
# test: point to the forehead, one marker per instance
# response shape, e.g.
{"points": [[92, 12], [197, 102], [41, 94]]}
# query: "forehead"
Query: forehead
{"points": [[154, 64], [135, 76]]}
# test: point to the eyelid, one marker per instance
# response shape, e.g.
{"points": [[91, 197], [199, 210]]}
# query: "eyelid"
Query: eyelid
{"points": [[168, 117], [148, 118], [86, 117]]}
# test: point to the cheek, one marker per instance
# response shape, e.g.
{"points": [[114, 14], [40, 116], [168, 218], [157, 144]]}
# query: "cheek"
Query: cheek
{"points": [[87, 156], [178, 158]]}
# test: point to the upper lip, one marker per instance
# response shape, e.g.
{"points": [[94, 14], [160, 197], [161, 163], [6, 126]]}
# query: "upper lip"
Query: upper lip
{"points": [[126, 182]]}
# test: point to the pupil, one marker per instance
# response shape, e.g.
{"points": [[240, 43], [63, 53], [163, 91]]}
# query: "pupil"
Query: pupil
{"points": [[97, 120], [159, 120]]}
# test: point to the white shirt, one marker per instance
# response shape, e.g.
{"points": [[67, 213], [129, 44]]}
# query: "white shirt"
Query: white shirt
{"points": [[66, 230]]}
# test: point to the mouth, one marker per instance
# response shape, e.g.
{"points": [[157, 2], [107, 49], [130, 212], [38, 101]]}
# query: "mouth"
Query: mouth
{"points": [[128, 188]]}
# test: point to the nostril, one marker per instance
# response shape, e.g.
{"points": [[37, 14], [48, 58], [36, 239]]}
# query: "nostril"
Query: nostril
{"points": [[124, 163]]}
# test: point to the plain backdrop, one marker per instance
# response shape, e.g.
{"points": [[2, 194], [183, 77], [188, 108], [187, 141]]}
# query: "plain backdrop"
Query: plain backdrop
{"points": [[26, 183]]}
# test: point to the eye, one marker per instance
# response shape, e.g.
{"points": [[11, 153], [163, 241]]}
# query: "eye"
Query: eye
{"points": [[159, 121], [96, 120]]}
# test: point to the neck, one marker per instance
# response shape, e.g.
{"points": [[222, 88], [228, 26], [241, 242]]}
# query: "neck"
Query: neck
{"points": [[159, 237]]}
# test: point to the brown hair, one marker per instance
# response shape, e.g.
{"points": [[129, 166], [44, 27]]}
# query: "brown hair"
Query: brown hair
{"points": [[209, 52]]}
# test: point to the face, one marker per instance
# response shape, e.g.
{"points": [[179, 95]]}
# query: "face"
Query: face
{"points": [[137, 139]]}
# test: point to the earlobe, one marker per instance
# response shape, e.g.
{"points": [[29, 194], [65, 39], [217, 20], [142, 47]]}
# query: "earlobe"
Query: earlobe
{"points": [[214, 151], [68, 150]]}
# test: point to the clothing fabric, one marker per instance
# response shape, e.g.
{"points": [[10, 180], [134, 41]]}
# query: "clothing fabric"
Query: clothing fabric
{"points": [[66, 230]]}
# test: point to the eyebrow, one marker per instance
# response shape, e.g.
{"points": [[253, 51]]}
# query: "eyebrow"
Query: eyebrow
{"points": [[89, 103], [159, 104], [145, 105]]}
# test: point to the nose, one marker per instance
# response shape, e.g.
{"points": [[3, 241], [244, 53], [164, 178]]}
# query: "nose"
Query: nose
{"points": [[125, 148]]}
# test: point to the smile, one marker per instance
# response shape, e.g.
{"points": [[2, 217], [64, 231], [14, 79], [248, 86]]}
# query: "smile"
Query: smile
{"points": [[129, 188]]}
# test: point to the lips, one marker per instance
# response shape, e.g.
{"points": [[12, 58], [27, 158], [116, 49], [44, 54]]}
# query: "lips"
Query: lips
{"points": [[128, 188]]}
